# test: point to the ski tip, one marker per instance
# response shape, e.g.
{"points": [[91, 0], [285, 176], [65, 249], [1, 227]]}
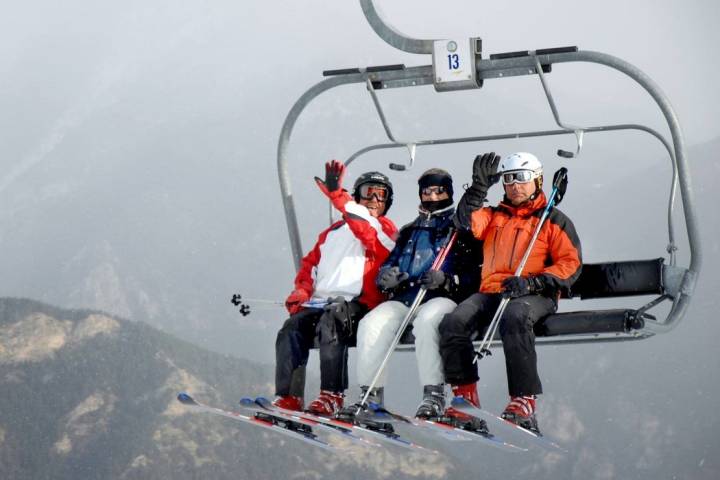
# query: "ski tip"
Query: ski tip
{"points": [[247, 401], [263, 401], [186, 399]]}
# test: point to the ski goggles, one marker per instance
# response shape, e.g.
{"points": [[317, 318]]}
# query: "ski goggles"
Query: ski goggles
{"points": [[369, 190], [518, 176], [437, 189]]}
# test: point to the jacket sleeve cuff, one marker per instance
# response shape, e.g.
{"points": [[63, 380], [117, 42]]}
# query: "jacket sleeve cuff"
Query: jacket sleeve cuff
{"points": [[339, 199]]}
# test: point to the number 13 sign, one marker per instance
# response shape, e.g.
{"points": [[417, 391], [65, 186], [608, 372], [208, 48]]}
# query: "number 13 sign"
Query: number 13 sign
{"points": [[454, 64]]}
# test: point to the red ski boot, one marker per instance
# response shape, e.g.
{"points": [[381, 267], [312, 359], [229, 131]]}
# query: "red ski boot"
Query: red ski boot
{"points": [[463, 420], [288, 402], [521, 412], [327, 404]]}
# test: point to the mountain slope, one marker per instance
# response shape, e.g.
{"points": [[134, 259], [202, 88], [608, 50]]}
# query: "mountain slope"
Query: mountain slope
{"points": [[86, 395]]}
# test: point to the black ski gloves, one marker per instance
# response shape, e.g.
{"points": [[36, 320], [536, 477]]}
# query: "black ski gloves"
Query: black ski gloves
{"points": [[485, 170], [334, 173], [514, 287], [484, 176], [390, 278], [433, 279]]}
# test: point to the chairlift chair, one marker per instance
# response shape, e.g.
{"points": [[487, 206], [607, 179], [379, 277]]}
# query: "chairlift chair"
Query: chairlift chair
{"points": [[458, 65]]}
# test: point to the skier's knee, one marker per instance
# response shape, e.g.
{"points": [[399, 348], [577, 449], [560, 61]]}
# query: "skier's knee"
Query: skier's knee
{"points": [[425, 327], [518, 318], [289, 326], [375, 326], [451, 325]]}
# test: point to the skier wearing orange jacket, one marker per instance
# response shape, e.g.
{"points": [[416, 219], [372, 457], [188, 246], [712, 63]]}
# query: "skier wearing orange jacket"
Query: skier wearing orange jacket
{"points": [[334, 288], [553, 265]]}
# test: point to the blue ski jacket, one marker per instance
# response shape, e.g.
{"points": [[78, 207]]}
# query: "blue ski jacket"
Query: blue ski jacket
{"points": [[418, 244]]}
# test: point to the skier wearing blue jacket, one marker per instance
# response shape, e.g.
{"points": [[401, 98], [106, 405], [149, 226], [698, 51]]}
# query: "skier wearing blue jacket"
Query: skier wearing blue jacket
{"points": [[402, 275]]}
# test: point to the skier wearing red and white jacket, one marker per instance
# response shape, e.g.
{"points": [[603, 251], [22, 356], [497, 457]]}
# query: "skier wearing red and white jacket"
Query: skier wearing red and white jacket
{"points": [[334, 288]]}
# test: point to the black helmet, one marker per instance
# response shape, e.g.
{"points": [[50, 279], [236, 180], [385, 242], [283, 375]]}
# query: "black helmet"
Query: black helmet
{"points": [[378, 178], [436, 177]]}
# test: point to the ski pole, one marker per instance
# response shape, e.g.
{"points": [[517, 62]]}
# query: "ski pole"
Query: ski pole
{"points": [[238, 299], [554, 200], [244, 308], [266, 302], [436, 265]]}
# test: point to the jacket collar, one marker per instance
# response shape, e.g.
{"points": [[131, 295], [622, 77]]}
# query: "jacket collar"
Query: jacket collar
{"points": [[437, 213]]}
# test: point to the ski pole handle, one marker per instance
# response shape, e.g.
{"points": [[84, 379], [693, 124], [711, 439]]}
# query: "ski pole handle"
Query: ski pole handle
{"points": [[559, 186], [560, 177]]}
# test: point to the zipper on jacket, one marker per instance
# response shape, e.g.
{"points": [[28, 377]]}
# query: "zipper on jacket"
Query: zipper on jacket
{"points": [[495, 242], [512, 252]]}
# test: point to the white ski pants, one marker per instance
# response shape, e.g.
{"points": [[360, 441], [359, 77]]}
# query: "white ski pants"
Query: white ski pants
{"points": [[378, 328]]}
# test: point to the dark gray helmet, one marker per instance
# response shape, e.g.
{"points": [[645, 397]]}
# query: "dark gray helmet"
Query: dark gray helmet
{"points": [[377, 178]]}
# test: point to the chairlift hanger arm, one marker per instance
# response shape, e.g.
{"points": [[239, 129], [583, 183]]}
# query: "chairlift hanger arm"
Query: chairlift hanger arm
{"points": [[392, 36]]}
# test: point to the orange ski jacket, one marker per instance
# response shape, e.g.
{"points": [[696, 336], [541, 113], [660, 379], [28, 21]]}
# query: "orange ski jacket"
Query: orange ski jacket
{"points": [[506, 232]]}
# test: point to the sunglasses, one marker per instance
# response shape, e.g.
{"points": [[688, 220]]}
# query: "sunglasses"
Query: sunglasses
{"points": [[368, 191], [439, 190], [518, 176]]}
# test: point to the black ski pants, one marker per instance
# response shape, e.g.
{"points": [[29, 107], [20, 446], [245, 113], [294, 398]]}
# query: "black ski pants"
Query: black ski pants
{"points": [[296, 338], [472, 316]]}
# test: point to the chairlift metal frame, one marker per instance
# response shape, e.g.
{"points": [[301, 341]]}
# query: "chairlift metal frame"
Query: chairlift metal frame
{"points": [[678, 282]]}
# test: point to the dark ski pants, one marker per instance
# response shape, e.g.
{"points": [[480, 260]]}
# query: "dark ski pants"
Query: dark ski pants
{"points": [[296, 338], [516, 330]]}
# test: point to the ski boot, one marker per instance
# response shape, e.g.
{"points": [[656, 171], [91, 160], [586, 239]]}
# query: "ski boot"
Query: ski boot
{"points": [[374, 401], [521, 412], [349, 413], [462, 420], [288, 402], [433, 403], [327, 404], [364, 414]]}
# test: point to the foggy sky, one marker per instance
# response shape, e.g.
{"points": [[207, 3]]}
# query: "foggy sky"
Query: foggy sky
{"points": [[138, 139]]}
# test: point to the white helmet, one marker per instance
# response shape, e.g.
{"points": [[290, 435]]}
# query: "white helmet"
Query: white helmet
{"points": [[521, 161], [521, 167]]}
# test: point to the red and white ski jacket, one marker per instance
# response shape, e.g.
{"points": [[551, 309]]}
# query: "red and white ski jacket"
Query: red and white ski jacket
{"points": [[348, 255]]}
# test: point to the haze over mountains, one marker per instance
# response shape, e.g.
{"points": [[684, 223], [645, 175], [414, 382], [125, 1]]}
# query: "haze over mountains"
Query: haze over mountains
{"points": [[139, 182], [87, 395]]}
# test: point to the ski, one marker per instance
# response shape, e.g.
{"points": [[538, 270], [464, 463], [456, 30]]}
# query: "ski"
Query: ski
{"points": [[286, 427], [264, 407], [447, 430], [381, 431], [538, 439]]}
